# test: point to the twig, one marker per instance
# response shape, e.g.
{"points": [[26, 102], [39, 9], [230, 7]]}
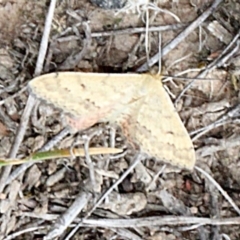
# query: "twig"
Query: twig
{"points": [[72, 61], [56, 139], [201, 131], [127, 31], [230, 55], [89, 163], [17, 141], [137, 222], [7, 120], [226, 196], [138, 159], [222, 145], [219, 61], [138, 30], [23, 231], [45, 39], [225, 118], [112, 137], [143, 221], [180, 37], [13, 96], [158, 221], [66, 219], [30, 103], [126, 234], [155, 178], [213, 207]]}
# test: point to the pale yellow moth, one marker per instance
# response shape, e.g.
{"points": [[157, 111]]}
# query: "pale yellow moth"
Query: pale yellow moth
{"points": [[137, 102]]}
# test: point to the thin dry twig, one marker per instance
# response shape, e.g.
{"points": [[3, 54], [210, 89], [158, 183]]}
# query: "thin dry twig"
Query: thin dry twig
{"points": [[30, 103], [89, 163], [145, 221], [232, 114], [45, 38], [13, 96], [138, 159], [7, 120], [140, 222], [180, 37], [213, 206], [222, 145], [17, 141], [158, 221], [218, 62], [66, 219], [126, 234], [155, 178], [226, 196], [72, 61], [227, 57], [21, 232], [139, 30]]}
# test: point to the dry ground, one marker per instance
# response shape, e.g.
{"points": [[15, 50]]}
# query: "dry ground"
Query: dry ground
{"points": [[181, 204]]}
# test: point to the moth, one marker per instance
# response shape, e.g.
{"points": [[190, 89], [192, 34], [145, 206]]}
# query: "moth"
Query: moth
{"points": [[138, 103]]}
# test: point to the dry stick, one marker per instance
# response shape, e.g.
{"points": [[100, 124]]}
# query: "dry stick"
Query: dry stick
{"points": [[141, 222], [213, 207], [138, 159], [233, 113], [138, 30], [180, 37], [219, 61], [72, 61], [66, 219], [17, 141], [228, 56], [89, 163], [211, 126], [126, 234], [13, 85], [158, 221], [192, 227], [30, 103], [23, 231], [150, 186], [222, 145], [226, 196], [127, 31], [13, 96], [45, 38], [7, 120]]}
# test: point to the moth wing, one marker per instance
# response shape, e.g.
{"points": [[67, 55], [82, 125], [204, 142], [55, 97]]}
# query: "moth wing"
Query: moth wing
{"points": [[82, 94], [159, 130]]}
